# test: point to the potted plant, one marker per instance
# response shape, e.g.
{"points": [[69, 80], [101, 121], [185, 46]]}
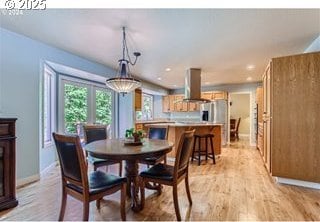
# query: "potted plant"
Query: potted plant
{"points": [[136, 135]]}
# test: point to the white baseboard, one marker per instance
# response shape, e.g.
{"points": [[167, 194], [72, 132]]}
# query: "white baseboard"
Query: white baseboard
{"points": [[48, 168], [300, 183], [23, 181]]}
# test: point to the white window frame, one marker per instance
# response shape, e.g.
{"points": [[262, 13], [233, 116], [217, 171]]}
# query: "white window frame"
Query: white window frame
{"points": [[48, 72], [91, 108], [152, 107]]}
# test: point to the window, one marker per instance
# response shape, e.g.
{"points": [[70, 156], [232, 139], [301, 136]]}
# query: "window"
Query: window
{"points": [[84, 102], [146, 112], [103, 106], [48, 108]]}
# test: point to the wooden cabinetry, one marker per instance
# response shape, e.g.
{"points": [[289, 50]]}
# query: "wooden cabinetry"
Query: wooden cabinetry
{"points": [[220, 95], [291, 87], [168, 103], [207, 95], [172, 103], [179, 105], [193, 107], [7, 164], [137, 99], [259, 102]]}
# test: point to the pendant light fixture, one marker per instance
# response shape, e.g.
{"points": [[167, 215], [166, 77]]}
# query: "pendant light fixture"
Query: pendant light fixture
{"points": [[124, 82]]}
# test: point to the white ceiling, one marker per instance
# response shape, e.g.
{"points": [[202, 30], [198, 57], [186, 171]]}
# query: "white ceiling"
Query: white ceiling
{"points": [[222, 42]]}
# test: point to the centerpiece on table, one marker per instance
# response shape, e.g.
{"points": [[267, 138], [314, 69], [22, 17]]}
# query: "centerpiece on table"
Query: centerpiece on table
{"points": [[133, 137]]}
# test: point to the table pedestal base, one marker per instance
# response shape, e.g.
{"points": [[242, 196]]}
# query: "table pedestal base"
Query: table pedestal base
{"points": [[133, 184]]}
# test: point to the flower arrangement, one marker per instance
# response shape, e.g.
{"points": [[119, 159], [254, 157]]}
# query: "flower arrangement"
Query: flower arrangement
{"points": [[136, 135]]}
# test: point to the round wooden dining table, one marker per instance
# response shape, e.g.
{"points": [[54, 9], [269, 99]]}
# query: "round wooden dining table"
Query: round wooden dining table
{"points": [[117, 150]]}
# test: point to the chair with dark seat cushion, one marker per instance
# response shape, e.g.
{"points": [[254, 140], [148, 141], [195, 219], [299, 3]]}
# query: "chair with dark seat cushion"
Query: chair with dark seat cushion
{"points": [[159, 133], [98, 132], [75, 180], [172, 175]]}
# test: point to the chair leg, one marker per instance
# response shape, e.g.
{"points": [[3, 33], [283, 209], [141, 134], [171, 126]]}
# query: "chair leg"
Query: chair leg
{"points": [[86, 206], [165, 159], [142, 191], [176, 203], [98, 203], [199, 151], [120, 169], [194, 149], [95, 168], [206, 148], [186, 180], [63, 204], [212, 150], [123, 202]]}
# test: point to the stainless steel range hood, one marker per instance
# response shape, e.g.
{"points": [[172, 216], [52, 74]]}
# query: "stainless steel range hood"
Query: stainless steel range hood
{"points": [[192, 90]]}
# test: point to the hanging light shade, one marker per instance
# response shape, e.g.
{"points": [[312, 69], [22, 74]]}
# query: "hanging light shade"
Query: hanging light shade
{"points": [[124, 82]]}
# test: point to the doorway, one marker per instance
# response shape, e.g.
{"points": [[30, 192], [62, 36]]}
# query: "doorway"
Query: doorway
{"points": [[240, 117]]}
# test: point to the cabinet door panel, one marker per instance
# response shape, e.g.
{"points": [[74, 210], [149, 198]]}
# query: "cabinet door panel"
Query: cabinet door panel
{"points": [[295, 117]]}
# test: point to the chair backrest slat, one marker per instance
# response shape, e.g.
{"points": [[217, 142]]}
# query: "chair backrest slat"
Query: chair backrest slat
{"points": [[184, 151], [94, 132], [160, 133], [71, 158], [238, 124]]}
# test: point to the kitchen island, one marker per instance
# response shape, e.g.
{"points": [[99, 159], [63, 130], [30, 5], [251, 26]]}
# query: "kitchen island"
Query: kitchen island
{"points": [[176, 129]]}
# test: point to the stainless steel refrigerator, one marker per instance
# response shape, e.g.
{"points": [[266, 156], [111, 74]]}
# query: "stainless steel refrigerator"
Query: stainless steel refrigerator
{"points": [[216, 112]]}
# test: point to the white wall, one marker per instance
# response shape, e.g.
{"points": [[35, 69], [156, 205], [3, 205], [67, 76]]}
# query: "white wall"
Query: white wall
{"points": [[240, 108]]}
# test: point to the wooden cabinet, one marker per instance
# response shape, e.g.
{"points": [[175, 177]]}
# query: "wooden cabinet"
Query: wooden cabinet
{"points": [[220, 95], [193, 107], [267, 118], [179, 105], [165, 104], [7, 164], [291, 87], [137, 99], [206, 95], [168, 103], [172, 103]]}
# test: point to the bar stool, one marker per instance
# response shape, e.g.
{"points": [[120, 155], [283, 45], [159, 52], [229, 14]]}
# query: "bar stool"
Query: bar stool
{"points": [[203, 152]]}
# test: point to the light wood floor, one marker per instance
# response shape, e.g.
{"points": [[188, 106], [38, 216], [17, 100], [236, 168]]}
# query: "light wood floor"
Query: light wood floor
{"points": [[236, 188]]}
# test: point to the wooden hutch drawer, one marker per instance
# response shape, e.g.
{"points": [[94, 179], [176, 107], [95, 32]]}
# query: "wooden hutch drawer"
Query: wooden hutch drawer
{"points": [[5, 129]]}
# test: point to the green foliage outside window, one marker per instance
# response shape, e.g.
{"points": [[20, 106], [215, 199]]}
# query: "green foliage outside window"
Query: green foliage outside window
{"points": [[103, 107], [75, 106]]}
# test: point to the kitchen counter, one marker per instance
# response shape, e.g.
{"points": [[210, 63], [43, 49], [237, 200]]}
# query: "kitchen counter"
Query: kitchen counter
{"points": [[176, 129]]}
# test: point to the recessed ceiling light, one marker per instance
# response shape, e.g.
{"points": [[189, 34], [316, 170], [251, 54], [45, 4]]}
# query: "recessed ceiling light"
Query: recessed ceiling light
{"points": [[207, 83], [249, 78], [159, 78], [168, 69], [250, 67], [174, 85]]}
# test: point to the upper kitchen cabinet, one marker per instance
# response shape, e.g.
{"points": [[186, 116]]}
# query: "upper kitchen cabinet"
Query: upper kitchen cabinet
{"points": [[179, 105], [168, 103], [220, 95], [291, 93], [207, 95], [137, 99], [194, 107]]}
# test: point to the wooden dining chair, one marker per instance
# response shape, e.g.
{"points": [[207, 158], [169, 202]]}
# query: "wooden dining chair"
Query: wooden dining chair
{"points": [[234, 133], [98, 132], [77, 183], [172, 175], [160, 133]]}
